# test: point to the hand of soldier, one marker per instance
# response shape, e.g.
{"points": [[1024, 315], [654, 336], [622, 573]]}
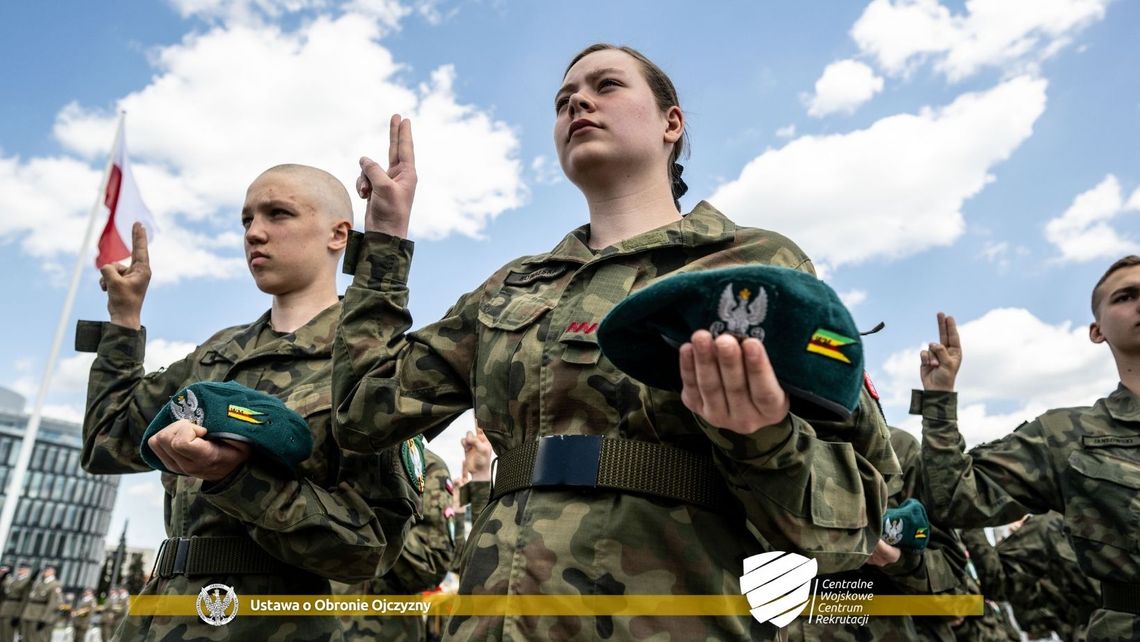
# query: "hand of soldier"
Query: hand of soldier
{"points": [[126, 285], [730, 383], [940, 363], [390, 193], [183, 449], [884, 554], [476, 456]]}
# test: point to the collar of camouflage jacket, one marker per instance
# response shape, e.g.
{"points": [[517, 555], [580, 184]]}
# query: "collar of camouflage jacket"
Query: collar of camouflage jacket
{"points": [[1122, 405], [704, 225], [314, 339]]}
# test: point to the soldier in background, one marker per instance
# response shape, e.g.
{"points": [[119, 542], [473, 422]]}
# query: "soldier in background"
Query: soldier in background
{"points": [[1040, 579], [114, 608], [5, 571], [232, 516], [1081, 462], [16, 587], [474, 484], [985, 579], [41, 607], [428, 554], [81, 616]]}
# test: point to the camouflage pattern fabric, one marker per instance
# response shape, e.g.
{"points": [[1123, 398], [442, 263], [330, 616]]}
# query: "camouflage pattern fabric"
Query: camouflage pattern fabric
{"points": [[940, 568], [15, 590], [41, 610], [428, 554], [1081, 462], [340, 517], [522, 351], [474, 496], [1039, 577]]}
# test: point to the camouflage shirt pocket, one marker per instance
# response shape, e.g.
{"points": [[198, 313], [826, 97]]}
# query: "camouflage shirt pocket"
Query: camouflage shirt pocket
{"points": [[1105, 503], [513, 312], [837, 489]]}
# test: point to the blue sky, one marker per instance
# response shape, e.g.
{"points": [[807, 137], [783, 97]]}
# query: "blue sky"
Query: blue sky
{"points": [[978, 158]]}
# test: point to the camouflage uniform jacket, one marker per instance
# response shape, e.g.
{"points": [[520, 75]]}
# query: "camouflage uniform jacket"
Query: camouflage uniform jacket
{"points": [[1081, 462], [425, 560], [522, 350], [341, 517]]}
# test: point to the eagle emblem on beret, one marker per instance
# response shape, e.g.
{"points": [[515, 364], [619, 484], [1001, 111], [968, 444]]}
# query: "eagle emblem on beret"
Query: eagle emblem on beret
{"points": [[185, 406], [740, 314]]}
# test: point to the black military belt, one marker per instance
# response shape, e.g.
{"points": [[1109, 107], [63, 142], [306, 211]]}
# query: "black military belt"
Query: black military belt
{"points": [[214, 556], [1120, 596], [593, 461]]}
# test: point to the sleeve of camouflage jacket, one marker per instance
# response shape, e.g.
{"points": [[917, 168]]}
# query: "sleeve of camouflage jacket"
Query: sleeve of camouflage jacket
{"points": [[995, 483], [429, 547], [120, 399], [384, 393]]}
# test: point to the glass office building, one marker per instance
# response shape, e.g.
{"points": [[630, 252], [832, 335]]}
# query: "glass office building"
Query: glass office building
{"points": [[64, 513]]}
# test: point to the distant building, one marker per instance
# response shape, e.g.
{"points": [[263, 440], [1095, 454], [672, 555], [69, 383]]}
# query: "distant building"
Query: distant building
{"points": [[63, 514]]}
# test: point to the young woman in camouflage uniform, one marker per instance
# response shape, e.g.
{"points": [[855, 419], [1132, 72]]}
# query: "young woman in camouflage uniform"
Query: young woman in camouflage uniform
{"points": [[521, 349]]}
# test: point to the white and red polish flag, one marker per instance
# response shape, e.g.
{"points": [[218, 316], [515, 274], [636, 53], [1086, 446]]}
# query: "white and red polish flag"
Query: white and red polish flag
{"points": [[126, 206]]}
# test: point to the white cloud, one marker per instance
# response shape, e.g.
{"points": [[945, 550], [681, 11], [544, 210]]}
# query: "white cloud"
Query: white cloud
{"points": [[843, 87], [786, 132], [1010, 34], [1011, 357], [225, 104], [891, 190], [1083, 232], [852, 298]]}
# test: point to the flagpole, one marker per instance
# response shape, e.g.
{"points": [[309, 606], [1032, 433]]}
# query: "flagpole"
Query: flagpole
{"points": [[16, 481]]}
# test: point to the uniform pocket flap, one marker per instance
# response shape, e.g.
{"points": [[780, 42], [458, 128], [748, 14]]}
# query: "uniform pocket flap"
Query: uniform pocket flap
{"points": [[518, 313], [1108, 467], [580, 344]]}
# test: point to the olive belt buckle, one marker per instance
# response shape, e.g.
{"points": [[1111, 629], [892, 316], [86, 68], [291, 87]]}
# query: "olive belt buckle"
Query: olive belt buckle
{"points": [[567, 460]]}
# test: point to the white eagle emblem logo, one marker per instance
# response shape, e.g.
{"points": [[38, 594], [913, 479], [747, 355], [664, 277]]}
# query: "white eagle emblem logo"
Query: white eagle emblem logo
{"points": [[892, 531], [212, 608], [186, 407], [741, 318]]}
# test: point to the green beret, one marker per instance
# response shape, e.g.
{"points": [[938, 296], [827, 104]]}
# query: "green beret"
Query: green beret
{"points": [[906, 525], [810, 337], [229, 410]]}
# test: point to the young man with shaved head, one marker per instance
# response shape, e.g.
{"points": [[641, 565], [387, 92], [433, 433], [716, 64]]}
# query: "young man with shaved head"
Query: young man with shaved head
{"points": [[232, 517], [1081, 462]]}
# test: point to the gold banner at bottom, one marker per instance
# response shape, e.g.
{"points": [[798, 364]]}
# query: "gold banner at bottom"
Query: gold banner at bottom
{"points": [[552, 605]]}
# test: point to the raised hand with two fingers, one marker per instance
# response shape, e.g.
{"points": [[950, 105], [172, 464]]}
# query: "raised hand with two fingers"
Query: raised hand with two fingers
{"points": [[390, 192]]}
